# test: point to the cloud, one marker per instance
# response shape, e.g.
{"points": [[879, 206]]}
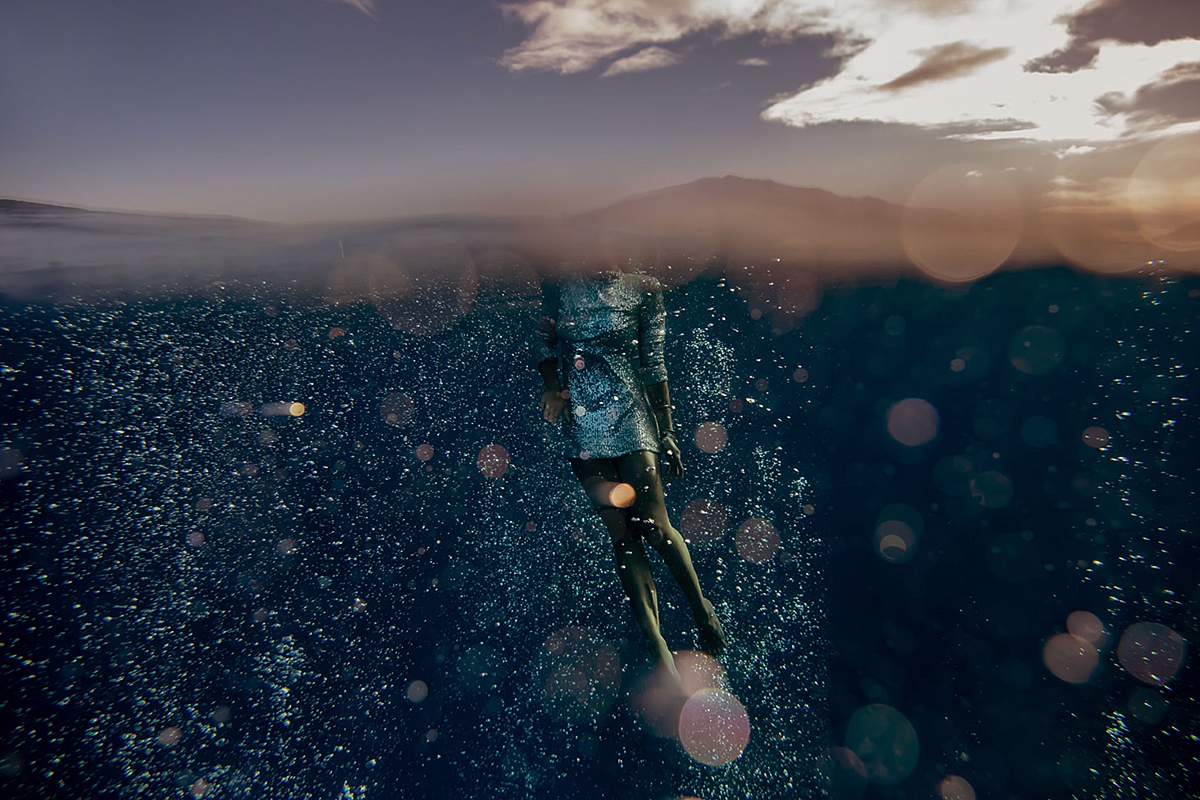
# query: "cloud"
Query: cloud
{"points": [[971, 69], [650, 58], [945, 62], [1173, 97], [365, 6], [1147, 22], [933, 8], [754, 62], [571, 36]]}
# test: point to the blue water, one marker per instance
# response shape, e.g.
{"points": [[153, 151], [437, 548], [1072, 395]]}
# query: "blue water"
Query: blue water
{"points": [[208, 598]]}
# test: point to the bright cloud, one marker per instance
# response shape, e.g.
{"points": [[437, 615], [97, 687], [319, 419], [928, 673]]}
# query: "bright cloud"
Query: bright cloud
{"points": [[650, 58], [754, 62], [982, 69]]}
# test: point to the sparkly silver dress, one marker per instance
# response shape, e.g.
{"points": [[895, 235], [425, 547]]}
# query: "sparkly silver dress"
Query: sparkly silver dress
{"points": [[607, 336]]}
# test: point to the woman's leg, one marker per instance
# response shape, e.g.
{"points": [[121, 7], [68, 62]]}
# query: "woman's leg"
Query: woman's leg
{"points": [[649, 518], [633, 568]]}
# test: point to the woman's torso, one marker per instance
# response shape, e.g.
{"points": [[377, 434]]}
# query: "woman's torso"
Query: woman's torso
{"points": [[599, 339]]}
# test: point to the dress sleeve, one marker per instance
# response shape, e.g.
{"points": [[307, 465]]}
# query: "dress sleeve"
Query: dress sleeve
{"points": [[544, 341], [652, 334]]}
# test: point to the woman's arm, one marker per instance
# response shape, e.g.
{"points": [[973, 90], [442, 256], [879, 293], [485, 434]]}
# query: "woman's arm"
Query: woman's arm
{"points": [[652, 337], [545, 348]]}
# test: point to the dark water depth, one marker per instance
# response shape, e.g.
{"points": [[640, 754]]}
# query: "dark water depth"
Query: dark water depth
{"points": [[399, 591]]}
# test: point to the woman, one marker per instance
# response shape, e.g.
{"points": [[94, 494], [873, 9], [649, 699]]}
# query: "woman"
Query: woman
{"points": [[600, 353]]}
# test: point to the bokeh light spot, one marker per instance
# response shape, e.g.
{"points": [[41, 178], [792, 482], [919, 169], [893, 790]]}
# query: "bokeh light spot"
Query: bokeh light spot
{"points": [[1164, 194], [955, 787], [961, 222], [11, 462], [1087, 626], [711, 437], [800, 375], [714, 727], [424, 452], [1095, 436], [396, 409], [493, 461], [885, 741], [912, 422], [897, 532], [1070, 658], [991, 489], [417, 692], [170, 736], [1151, 652], [757, 540], [1036, 350]]}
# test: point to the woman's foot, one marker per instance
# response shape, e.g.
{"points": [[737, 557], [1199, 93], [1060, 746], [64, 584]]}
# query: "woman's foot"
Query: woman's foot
{"points": [[712, 637]]}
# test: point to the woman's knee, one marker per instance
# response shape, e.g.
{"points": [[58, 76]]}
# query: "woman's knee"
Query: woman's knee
{"points": [[654, 532]]}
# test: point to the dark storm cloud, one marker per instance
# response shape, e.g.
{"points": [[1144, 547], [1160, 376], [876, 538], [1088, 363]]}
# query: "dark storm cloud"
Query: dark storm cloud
{"points": [[947, 61], [1174, 97], [1130, 21]]}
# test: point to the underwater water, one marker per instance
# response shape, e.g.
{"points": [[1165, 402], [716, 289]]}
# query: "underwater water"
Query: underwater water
{"points": [[259, 545]]}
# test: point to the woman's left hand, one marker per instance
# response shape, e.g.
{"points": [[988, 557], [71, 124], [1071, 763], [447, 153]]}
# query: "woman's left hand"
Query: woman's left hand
{"points": [[672, 457]]}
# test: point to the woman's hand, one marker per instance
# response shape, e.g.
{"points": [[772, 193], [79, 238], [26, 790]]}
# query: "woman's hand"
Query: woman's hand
{"points": [[551, 405], [672, 457]]}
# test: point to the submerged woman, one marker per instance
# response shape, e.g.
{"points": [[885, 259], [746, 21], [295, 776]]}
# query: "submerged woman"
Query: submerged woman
{"points": [[600, 353]]}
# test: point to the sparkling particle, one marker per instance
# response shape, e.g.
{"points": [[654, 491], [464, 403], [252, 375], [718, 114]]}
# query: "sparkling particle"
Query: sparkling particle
{"points": [[703, 521]]}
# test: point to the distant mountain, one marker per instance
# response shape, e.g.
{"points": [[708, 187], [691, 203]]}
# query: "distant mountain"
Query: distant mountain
{"points": [[761, 220], [23, 207]]}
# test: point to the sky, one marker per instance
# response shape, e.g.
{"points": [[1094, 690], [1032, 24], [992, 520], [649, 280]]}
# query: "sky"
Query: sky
{"points": [[312, 110]]}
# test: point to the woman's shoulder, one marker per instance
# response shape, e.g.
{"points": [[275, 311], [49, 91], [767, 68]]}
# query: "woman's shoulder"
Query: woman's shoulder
{"points": [[643, 282]]}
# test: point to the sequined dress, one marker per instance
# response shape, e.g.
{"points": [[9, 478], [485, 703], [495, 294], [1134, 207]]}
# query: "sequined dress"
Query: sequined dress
{"points": [[607, 336]]}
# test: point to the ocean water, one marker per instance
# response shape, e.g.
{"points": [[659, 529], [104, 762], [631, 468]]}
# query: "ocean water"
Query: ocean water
{"points": [[260, 545]]}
